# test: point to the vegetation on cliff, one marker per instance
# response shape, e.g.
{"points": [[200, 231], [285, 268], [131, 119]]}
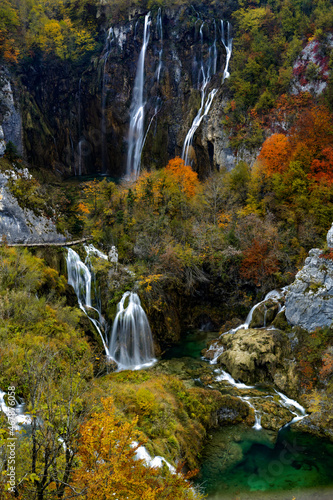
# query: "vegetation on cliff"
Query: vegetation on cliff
{"points": [[198, 249]]}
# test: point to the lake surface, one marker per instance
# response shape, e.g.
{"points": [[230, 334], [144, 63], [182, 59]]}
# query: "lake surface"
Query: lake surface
{"points": [[248, 466]]}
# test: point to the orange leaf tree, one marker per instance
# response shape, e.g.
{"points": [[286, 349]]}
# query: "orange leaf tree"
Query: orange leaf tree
{"points": [[183, 175], [109, 465], [275, 154]]}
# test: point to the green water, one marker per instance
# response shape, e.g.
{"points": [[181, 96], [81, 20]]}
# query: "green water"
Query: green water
{"points": [[244, 464], [191, 345]]}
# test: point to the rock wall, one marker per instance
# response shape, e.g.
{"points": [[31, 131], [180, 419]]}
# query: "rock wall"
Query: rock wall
{"points": [[10, 116], [76, 120], [23, 226], [309, 300]]}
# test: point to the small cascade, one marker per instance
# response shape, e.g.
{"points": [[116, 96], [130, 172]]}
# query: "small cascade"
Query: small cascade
{"points": [[107, 50], [227, 43], [131, 344], [257, 416], [257, 422], [292, 405], [137, 114], [80, 277], [227, 377], [205, 74], [274, 295], [159, 29], [142, 454], [15, 414], [91, 250]]}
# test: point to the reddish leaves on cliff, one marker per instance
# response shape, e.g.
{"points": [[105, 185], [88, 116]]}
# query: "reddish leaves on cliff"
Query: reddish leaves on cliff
{"points": [[259, 262]]}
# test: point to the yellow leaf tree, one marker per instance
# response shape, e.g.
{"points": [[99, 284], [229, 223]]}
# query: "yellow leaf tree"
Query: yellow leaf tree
{"points": [[109, 464]]}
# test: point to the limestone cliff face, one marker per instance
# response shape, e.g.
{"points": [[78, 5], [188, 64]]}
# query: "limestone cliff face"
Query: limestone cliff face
{"points": [[76, 120], [309, 300], [23, 226], [10, 115]]}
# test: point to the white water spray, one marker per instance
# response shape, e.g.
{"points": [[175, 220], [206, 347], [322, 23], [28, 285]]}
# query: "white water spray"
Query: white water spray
{"points": [[204, 77], [137, 114], [159, 28], [227, 43], [131, 343], [80, 277]]}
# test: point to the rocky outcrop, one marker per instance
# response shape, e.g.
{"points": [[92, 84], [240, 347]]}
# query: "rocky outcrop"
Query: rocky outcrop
{"points": [[232, 411], [309, 300], [254, 356], [10, 117], [264, 314], [23, 226]]}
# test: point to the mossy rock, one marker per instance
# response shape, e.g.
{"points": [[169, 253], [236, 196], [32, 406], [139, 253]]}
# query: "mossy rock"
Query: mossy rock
{"points": [[232, 411], [264, 314]]}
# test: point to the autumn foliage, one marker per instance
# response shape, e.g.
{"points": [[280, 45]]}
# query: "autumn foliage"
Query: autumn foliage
{"points": [[109, 464], [309, 143], [183, 175], [275, 154], [258, 262]]}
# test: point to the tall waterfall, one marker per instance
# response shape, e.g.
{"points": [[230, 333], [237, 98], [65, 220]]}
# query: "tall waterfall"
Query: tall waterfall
{"points": [[131, 344], [160, 36], [80, 277], [227, 43], [137, 115], [205, 75]]}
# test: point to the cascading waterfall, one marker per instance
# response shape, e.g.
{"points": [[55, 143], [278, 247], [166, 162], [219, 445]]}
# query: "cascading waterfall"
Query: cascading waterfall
{"points": [[159, 29], [137, 114], [205, 75], [227, 43], [131, 343], [274, 295], [293, 406], [15, 415], [107, 50], [80, 277]]}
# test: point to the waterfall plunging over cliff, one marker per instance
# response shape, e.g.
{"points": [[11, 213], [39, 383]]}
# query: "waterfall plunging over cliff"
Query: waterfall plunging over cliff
{"points": [[160, 36], [131, 344], [205, 74], [80, 277], [228, 47], [137, 115]]}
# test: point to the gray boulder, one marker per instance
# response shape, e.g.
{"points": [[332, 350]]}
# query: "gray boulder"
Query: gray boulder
{"points": [[329, 237], [19, 225], [309, 300]]}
